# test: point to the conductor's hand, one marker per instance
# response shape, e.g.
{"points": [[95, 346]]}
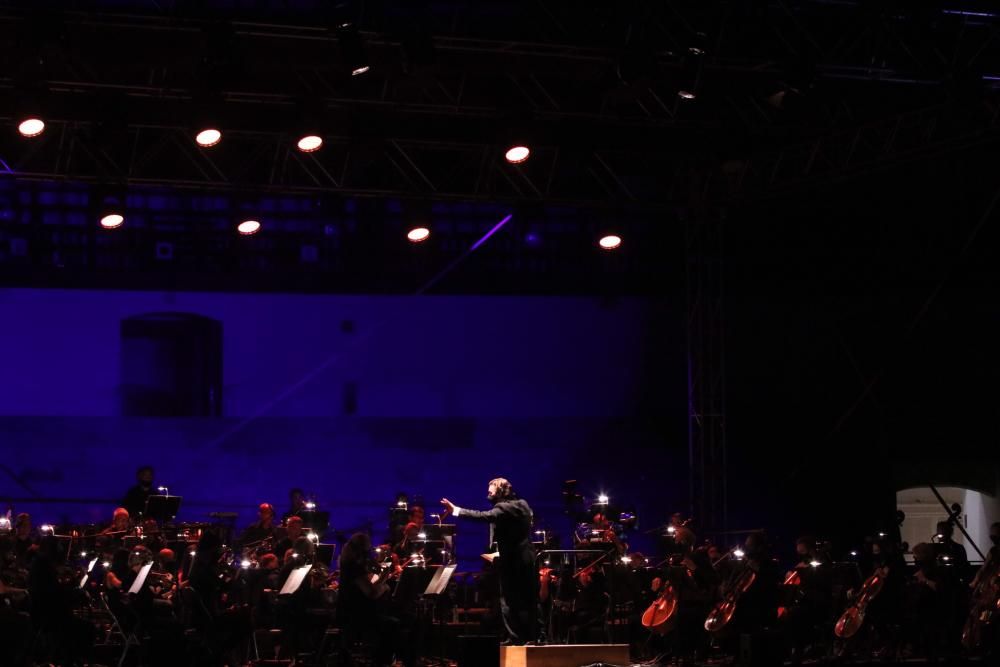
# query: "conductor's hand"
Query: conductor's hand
{"points": [[449, 507]]}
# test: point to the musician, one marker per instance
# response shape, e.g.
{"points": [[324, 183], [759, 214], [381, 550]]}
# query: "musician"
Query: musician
{"points": [[510, 527], [51, 602], [992, 556], [411, 532], [297, 500], [260, 530], [358, 611], [120, 523], [22, 544], [135, 498], [290, 535], [948, 548], [930, 602]]}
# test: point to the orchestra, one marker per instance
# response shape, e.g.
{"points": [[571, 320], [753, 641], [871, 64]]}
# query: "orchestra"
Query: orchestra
{"points": [[174, 593]]}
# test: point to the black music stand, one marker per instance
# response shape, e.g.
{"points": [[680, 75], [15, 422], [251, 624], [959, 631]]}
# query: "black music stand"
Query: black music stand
{"points": [[324, 553], [315, 520], [162, 508], [436, 589]]}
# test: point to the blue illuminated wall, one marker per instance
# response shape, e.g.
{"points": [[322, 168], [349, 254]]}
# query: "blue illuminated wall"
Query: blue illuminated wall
{"points": [[446, 392]]}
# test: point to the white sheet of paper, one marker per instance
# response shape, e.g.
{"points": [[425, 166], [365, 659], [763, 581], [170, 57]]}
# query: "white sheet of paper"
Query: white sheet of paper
{"points": [[295, 579], [141, 579]]}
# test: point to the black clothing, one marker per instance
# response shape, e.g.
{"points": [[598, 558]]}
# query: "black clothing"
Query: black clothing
{"points": [[256, 533], [135, 500], [510, 527]]}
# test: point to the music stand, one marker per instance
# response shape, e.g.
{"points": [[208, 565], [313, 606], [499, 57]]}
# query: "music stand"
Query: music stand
{"points": [[140, 579], [315, 520], [436, 588], [324, 553], [162, 508]]}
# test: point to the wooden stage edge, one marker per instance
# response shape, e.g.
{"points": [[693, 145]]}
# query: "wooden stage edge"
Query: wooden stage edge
{"points": [[563, 655]]}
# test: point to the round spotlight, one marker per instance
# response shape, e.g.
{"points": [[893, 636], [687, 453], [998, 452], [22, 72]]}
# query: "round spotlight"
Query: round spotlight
{"points": [[610, 242], [112, 220], [358, 71], [517, 154], [208, 137], [310, 143], [31, 127], [685, 94], [248, 227], [418, 234]]}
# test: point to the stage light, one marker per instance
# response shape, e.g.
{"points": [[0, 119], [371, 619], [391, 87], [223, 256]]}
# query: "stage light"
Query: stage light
{"points": [[108, 564], [248, 227], [208, 137], [626, 560], [310, 505], [244, 563], [815, 563], [671, 530], [517, 154], [112, 220], [739, 553], [31, 127], [686, 94], [309, 143], [602, 499], [854, 554], [610, 242], [418, 234], [421, 536]]}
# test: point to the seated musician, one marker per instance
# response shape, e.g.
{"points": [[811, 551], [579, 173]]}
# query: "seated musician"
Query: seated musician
{"points": [[411, 533], [929, 602], [52, 601], [23, 542], [261, 530], [120, 523], [289, 535], [358, 609]]}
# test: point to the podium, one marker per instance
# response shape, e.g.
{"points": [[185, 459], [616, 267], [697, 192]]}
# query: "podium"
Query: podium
{"points": [[563, 655]]}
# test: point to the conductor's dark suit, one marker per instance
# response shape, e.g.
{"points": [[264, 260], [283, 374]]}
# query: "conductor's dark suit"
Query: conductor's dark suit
{"points": [[510, 528]]}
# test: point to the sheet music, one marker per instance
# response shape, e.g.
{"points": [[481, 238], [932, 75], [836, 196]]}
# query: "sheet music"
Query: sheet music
{"points": [[440, 580], [141, 579], [295, 579]]}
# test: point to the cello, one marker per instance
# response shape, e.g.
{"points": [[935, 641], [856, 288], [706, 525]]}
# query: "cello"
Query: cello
{"points": [[661, 616], [724, 610], [853, 617]]}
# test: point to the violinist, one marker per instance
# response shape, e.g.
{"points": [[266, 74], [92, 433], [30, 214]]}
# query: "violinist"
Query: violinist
{"points": [[359, 612], [51, 603]]}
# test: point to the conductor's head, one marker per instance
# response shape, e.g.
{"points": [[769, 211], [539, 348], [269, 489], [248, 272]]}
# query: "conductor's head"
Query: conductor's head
{"points": [[499, 489]]}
